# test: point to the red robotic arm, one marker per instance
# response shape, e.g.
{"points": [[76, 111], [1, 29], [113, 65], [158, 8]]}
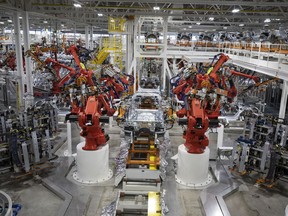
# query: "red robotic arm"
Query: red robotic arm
{"points": [[60, 81], [89, 121], [115, 88], [255, 78], [197, 125], [213, 74], [202, 95], [87, 73]]}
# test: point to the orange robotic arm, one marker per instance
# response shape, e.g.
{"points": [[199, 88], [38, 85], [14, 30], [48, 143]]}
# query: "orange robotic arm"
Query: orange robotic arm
{"points": [[255, 78], [222, 59], [61, 81], [87, 73], [73, 51], [89, 121], [197, 124]]}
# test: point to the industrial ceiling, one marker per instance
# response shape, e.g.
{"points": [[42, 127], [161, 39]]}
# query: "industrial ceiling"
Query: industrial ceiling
{"points": [[194, 15]]}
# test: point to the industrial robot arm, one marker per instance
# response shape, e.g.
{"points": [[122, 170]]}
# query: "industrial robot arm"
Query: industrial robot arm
{"points": [[60, 81], [89, 121], [202, 97]]}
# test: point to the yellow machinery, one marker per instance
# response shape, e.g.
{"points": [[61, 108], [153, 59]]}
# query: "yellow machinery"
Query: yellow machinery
{"points": [[144, 203], [113, 44], [116, 24], [102, 55], [154, 206]]}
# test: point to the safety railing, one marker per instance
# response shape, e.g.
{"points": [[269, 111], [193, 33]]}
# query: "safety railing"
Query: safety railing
{"points": [[267, 58], [225, 46]]}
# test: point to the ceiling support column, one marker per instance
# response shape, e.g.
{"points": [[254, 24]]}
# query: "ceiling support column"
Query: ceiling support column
{"points": [[91, 38], [19, 61], [129, 44], [283, 102], [87, 37], [28, 64], [165, 28]]}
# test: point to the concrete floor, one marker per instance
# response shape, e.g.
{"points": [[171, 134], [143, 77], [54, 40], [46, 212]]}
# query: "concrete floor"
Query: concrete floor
{"points": [[37, 199], [34, 198]]}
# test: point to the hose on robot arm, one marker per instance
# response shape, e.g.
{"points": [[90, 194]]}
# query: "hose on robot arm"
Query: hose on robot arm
{"points": [[215, 57]]}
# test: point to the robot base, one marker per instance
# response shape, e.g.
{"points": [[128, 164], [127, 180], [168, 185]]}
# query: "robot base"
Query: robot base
{"points": [[192, 170], [92, 166]]}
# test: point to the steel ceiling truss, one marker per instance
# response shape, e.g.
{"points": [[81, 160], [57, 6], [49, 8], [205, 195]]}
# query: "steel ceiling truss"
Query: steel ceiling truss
{"points": [[252, 14]]}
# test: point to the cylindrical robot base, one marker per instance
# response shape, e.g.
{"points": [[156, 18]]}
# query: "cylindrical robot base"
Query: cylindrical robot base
{"points": [[192, 169], [92, 166]]}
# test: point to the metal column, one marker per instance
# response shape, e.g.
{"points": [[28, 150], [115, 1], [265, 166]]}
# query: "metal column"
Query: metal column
{"points": [[49, 147], [129, 45], [19, 60], [91, 38], [175, 67], [135, 76], [87, 37], [35, 147], [283, 103], [136, 29], [69, 138], [28, 63], [165, 27], [26, 157], [74, 38]]}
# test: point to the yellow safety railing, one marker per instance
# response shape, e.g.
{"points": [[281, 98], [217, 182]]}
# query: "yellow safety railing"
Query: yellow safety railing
{"points": [[113, 44], [116, 24]]}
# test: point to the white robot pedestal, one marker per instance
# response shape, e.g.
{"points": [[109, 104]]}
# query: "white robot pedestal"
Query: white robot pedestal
{"points": [[92, 166], [215, 140], [192, 169]]}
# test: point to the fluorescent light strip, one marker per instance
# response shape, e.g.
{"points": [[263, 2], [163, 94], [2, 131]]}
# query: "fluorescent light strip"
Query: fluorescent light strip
{"points": [[77, 5]]}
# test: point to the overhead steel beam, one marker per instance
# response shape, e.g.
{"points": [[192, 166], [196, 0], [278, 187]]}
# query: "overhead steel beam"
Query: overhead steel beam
{"points": [[94, 22], [205, 2], [152, 13], [91, 7]]}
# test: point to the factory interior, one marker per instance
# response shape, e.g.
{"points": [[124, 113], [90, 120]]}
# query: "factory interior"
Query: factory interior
{"points": [[148, 107]]}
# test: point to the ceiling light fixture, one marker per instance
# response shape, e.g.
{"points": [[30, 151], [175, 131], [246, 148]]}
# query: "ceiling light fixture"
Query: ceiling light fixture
{"points": [[10, 21], [184, 29], [241, 24], [235, 10], [267, 20], [156, 8], [45, 21], [2, 23], [77, 5], [198, 23], [20, 17], [190, 26], [100, 14], [211, 18]]}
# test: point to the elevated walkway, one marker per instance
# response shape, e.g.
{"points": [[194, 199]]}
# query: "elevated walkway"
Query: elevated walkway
{"points": [[267, 62]]}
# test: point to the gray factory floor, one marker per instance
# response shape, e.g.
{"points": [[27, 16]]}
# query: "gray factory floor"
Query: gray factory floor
{"points": [[54, 190]]}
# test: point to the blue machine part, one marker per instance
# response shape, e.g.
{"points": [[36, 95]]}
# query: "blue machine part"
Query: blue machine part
{"points": [[244, 140], [16, 209]]}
